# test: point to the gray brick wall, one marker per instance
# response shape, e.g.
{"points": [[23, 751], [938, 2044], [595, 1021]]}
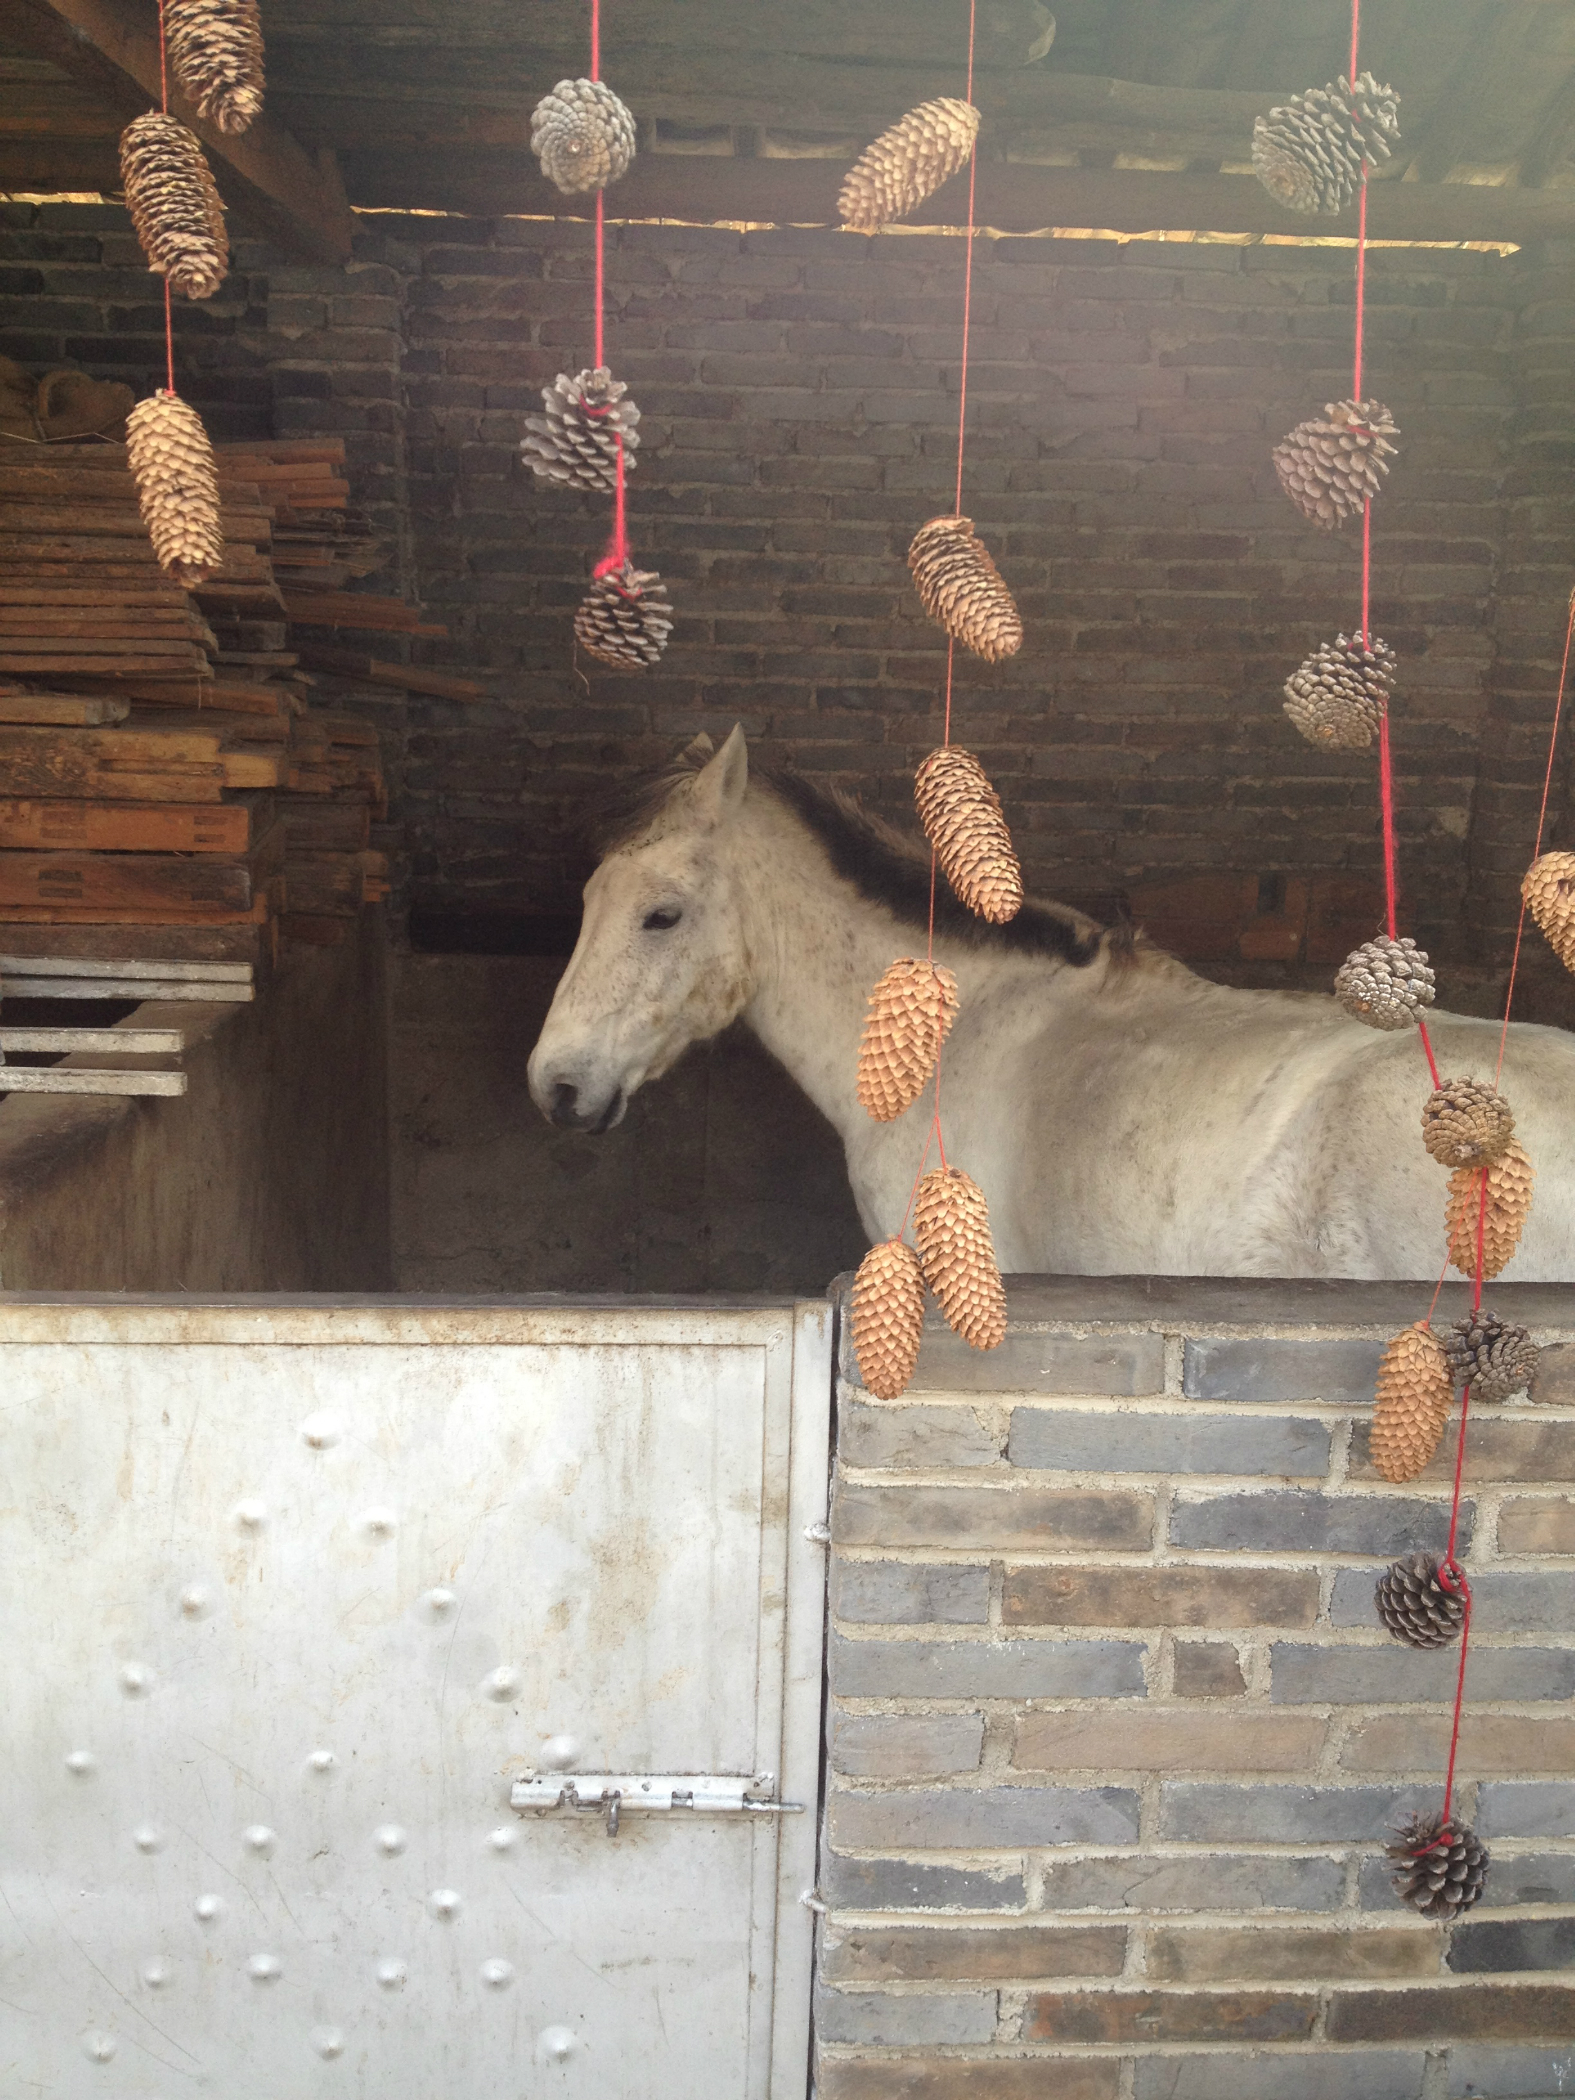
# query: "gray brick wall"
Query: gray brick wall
{"points": [[1115, 1741]]}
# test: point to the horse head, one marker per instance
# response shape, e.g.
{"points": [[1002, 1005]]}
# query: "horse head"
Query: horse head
{"points": [[661, 960]]}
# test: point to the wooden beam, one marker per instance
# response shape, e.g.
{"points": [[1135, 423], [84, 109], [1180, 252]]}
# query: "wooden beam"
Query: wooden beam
{"points": [[110, 49]]}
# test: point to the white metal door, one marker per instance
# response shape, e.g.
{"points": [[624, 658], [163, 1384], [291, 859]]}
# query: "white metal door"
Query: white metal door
{"points": [[296, 1591]]}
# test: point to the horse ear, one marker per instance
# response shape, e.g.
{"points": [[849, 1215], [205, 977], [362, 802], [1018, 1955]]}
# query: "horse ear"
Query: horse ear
{"points": [[695, 752], [720, 788]]}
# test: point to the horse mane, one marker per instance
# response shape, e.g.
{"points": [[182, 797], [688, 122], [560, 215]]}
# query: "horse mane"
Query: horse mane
{"points": [[882, 865]]}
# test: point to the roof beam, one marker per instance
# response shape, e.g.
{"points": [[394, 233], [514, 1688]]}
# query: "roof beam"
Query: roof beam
{"points": [[109, 50]]}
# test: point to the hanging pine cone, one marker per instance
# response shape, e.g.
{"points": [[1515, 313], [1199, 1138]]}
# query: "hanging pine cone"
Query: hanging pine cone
{"points": [[576, 441], [174, 204], [1415, 1605], [1440, 1866], [177, 487], [1509, 1183], [907, 164], [216, 50], [1415, 1394], [1492, 1357], [963, 820], [1308, 155], [959, 586], [1341, 693], [625, 618], [911, 1011], [1549, 891], [1385, 983], [1467, 1123], [888, 1317], [1331, 469], [951, 1222], [582, 135]]}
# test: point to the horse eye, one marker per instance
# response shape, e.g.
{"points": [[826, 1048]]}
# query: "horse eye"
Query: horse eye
{"points": [[659, 921]]}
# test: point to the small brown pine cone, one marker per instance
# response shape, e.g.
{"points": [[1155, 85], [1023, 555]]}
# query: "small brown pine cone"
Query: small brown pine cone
{"points": [[905, 165], [1549, 891], [216, 51], [961, 588], [1331, 469], [1495, 1359], [1415, 1604], [174, 204], [888, 1317], [1415, 1394], [1340, 694], [951, 1222], [1509, 1181], [625, 618], [576, 441], [1439, 1867], [1309, 154], [177, 487], [1385, 983], [911, 1011], [963, 820], [1467, 1123], [583, 135]]}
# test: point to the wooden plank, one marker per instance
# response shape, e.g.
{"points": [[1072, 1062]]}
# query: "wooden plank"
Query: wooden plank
{"points": [[62, 709], [107, 827], [140, 1042], [347, 663], [66, 1079], [110, 49], [128, 881], [132, 948], [195, 970]]}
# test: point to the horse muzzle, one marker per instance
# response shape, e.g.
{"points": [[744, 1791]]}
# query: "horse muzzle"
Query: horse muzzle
{"points": [[570, 1108]]}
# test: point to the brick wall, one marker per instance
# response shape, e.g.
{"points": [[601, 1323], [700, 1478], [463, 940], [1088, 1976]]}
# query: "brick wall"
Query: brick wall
{"points": [[1115, 1739]]}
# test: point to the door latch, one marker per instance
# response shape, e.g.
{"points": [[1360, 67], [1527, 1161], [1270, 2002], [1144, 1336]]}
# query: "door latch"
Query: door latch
{"points": [[616, 1794]]}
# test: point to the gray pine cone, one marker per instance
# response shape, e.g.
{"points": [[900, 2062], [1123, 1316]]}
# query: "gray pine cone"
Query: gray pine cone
{"points": [[583, 136], [1385, 983], [1340, 694], [576, 441], [1331, 468], [1309, 154], [1440, 1867], [625, 618], [1415, 1605], [1492, 1357]]}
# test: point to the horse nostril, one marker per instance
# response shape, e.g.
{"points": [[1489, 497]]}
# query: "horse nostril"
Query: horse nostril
{"points": [[564, 1098]]}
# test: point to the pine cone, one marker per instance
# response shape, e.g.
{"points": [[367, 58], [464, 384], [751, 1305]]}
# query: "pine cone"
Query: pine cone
{"points": [[907, 164], [583, 136], [174, 204], [1340, 695], [1331, 469], [911, 1011], [888, 1317], [1509, 1180], [216, 50], [961, 587], [1309, 154], [1440, 1866], [1415, 1394], [1493, 1358], [1549, 891], [625, 618], [576, 441], [1467, 1123], [177, 487], [962, 819], [1385, 983], [951, 1222], [1415, 1605]]}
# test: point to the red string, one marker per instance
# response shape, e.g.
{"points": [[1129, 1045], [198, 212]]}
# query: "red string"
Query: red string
{"points": [[616, 552], [601, 275], [169, 317], [596, 40]]}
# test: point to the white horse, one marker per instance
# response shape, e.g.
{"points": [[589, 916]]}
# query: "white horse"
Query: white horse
{"points": [[1122, 1115]]}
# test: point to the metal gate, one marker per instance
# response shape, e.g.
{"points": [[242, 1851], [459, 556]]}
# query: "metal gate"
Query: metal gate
{"points": [[402, 1698]]}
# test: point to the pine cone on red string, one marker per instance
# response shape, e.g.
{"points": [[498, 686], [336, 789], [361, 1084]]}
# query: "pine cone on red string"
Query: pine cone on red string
{"points": [[1495, 1359], [1340, 694], [960, 587], [174, 204], [1331, 469], [625, 618], [1308, 154], [1385, 983], [888, 1318], [1467, 1123], [177, 482], [1415, 1394], [216, 51], [1509, 1188], [1549, 891], [963, 820], [583, 136], [1416, 1606], [576, 441], [908, 163], [1440, 1867], [911, 1011], [951, 1222]]}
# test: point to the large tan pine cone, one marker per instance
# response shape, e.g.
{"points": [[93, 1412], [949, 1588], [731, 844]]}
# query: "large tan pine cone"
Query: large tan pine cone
{"points": [[959, 586], [174, 204], [911, 1011], [216, 51], [177, 487], [1331, 469], [577, 441], [1415, 1393], [1549, 891], [1467, 1123], [583, 135], [1309, 154], [625, 618], [951, 1222], [963, 820], [1339, 695], [905, 165], [888, 1317], [1509, 1181]]}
